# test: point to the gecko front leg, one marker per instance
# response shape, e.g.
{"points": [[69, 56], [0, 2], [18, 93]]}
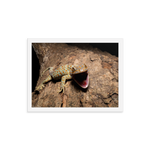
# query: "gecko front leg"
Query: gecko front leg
{"points": [[63, 80]]}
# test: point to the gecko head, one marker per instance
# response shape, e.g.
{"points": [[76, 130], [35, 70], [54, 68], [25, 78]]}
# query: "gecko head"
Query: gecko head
{"points": [[80, 75]]}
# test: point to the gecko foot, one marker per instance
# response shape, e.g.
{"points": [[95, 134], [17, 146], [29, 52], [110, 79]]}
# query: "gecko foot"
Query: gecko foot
{"points": [[40, 87], [62, 88]]}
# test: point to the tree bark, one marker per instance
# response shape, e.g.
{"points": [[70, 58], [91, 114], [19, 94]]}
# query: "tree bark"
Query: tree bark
{"points": [[103, 76]]}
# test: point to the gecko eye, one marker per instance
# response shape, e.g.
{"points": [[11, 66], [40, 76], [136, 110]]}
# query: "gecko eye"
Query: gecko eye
{"points": [[85, 65], [74, 68]]}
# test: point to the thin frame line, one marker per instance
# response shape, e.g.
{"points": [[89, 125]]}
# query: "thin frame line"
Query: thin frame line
{"points": [[123, 74], [123, 77]]}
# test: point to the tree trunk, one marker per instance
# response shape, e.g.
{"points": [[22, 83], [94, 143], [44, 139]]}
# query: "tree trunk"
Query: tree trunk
{"points": [[103, 76]]}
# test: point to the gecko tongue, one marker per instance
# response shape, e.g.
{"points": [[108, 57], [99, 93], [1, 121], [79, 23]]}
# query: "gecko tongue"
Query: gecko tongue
{"points": [[82, 79]]}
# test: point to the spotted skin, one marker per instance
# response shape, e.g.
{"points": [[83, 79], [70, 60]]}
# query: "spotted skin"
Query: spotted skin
{"points": [[64, 73]]}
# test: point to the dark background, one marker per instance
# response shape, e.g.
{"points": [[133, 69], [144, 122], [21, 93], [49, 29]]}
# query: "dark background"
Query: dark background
{"points": [[111, 48]]}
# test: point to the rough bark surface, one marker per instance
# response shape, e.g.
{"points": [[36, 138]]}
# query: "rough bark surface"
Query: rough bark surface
{"points": [[103, 76]]}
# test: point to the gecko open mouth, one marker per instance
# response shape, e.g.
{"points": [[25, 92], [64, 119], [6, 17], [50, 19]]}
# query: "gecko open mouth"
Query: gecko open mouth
{"points": [[82, 79]]}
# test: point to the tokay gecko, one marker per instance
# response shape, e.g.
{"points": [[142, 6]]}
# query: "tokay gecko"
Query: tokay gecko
{"points": [[78, 73]]}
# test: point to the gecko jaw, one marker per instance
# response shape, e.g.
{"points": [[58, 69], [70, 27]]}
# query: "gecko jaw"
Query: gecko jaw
{"points": [[82, 79]]}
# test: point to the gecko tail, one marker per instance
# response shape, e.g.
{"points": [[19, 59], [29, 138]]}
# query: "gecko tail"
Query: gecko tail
{"points": [[50, 70]]}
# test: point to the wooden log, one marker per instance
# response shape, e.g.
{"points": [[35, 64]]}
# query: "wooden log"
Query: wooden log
{"points": [[103, 76]]}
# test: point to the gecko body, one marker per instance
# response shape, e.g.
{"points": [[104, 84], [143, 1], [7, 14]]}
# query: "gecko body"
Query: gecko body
{"points": [[78, 73]]}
